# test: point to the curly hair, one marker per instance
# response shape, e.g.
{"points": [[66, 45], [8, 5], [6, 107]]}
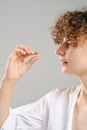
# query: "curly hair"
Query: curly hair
{"points": [[71, 25]]}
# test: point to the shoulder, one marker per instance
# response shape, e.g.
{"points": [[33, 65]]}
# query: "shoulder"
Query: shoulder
{"points": [[60, 93]]}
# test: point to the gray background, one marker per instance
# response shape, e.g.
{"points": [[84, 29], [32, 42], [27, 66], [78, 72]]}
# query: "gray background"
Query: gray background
{"points": [[27, 22]]}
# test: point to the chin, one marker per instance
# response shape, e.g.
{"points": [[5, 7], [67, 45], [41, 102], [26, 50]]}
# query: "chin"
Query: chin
{"points": [[66, 71]]}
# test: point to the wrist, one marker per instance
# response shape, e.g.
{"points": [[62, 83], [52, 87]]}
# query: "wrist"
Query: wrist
{"points": [[8, 83], [9, 80]]}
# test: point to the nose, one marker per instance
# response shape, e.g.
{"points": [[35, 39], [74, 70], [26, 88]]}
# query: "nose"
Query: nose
{"points": [[60, 51]]}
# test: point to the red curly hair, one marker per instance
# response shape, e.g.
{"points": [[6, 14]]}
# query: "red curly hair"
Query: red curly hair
{"points": [[71, 25]]}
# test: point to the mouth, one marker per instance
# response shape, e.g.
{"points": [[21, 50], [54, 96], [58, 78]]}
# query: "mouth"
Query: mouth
{"points": [[64, 62]]}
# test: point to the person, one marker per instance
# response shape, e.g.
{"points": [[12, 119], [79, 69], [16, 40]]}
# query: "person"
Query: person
{"points": [[61, 108]]}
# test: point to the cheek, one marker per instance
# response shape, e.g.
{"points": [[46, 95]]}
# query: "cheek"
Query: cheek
{"points": [[73, 56], [77, 62], [70, 56], [78, 65]]}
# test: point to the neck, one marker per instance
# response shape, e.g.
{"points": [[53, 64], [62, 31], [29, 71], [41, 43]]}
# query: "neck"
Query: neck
{"points": [[82, 98]]}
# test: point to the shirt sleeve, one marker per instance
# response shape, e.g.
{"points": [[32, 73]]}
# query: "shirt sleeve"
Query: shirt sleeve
{"points": [[27, 117]]}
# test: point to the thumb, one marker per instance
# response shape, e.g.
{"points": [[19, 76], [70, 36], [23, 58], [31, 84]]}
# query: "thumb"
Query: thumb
{"points": [[32, 61]]}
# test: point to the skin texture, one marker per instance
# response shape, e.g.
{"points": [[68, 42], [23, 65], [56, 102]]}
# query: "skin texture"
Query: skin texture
{"points": [[72, 51], [77, 65], [15, 69], [74, 56], [72, 27]]}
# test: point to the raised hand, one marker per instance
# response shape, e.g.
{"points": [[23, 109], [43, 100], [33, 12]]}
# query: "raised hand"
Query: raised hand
{"points": [[16, 65]]}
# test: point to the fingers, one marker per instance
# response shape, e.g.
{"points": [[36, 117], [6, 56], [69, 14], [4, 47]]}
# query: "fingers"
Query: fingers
{"points": [[33, 59], [24, 51], [20, 52], [27, 50]]}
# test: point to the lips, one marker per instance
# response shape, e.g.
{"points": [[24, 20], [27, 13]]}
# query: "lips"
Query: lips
{"points": [[64, 62]]}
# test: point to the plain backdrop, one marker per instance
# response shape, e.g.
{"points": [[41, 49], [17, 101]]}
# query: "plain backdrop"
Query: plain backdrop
{"points": [[27, 22]]}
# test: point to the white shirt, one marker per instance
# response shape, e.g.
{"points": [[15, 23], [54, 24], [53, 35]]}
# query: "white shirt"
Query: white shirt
{"points": [[54, 111]]}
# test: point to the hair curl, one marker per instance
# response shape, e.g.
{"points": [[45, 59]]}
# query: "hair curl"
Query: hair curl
{"points": [[71, 25]]}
